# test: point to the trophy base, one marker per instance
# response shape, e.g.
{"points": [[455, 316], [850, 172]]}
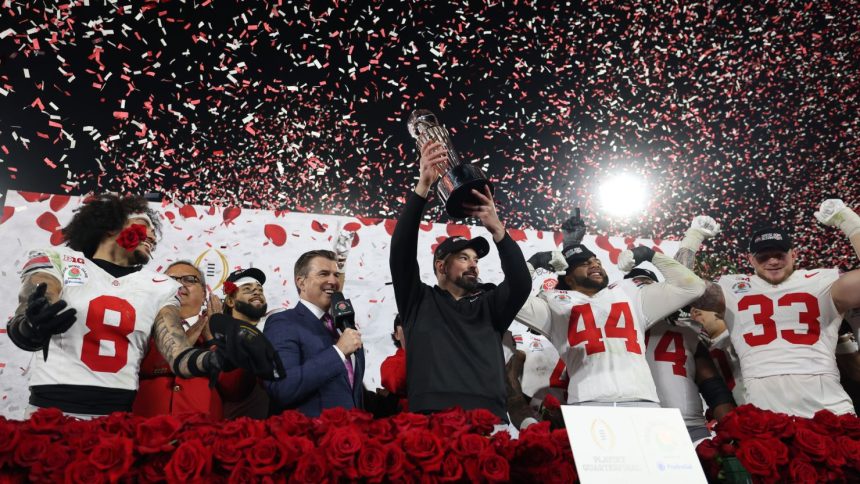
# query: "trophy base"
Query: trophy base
{"points": [[456, 186]]}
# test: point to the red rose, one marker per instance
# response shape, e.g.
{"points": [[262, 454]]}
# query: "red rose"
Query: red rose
{"points": [[130, 237], [813, 444], [707, 450], [151, 467], [311, 468], [469, 445], [52, 467], [728, 449], [562, 441], [423, 448], [483, 421], [113, 456], [551, 403], [191, 462], [46, 420], [295, 447], [802, 471], [341, 446], [117, 423], [246, 431], [409, 421], [289, 422], [850, 425], [534, 450], [9, 436], [493, 467], [748, 421], [156, 434], [230, 288], [32, 450], [84, 472], [450, 423], [452, 468], [504, 445], [395, 459], [828, 421], [242, 473], [759, 457], [371, 461], [360, 418], [850, 450], [226, 453], [266, 456], [381, 430]]}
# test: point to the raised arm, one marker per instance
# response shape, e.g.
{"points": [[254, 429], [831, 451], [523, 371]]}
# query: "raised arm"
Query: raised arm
{"points": [[404, 241], [680, 288], [509, 297], [846, 290], [40, 313], [702, 227]]}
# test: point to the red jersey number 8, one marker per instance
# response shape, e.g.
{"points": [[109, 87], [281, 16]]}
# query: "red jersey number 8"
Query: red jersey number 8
{"points": [[764, 318], [99, 331]]}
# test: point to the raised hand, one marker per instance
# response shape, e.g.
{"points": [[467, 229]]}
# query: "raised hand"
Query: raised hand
{"points": [[431, 166], [706, 226], [485, 211]]}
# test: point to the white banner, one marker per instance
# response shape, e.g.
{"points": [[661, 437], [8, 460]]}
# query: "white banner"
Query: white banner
{"points": [[221, 240]]}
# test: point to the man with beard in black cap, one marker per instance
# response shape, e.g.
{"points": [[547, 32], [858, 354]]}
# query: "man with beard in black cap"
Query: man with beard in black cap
{"points": [[246, 301], [599, 329]]}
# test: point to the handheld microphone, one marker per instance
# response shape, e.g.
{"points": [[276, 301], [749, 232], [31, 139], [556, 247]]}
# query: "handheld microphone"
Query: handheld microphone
{"points": [[342, 312]]}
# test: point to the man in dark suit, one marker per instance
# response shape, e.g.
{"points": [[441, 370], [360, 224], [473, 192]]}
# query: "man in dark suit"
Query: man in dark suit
{"points": [[324, 366]]}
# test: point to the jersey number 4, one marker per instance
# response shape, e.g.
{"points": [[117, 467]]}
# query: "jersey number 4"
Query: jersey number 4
{"points": [[593, 336], [676, 356], [764, 318], [116, 334]]}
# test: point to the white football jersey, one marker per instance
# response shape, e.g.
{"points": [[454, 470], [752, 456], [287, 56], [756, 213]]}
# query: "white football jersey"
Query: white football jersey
{"points": [[106, 343], [543, 371], [729, 365], [671, 351], [600, 339], [786, 329]]}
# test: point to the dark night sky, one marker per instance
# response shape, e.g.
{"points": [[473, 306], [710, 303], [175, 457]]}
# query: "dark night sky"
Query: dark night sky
{"points": [[746, 113]]}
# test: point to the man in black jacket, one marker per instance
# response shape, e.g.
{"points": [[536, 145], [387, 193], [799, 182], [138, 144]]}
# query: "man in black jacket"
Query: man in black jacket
{"points": [[454, 329]]}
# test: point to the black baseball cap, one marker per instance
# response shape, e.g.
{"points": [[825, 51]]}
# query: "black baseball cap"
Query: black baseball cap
{"points": [[251, 272], [640, 272], [576, 254], [458, 243], [770, 238]]}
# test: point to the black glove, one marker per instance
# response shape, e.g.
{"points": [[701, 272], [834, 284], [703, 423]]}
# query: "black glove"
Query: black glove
{"points": [[244, 346], [541, 260], [45, 320], [573, 230], [642, 254]]}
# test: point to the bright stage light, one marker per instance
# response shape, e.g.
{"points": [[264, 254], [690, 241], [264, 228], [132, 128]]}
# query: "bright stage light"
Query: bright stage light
{"points": [[623, 195]]}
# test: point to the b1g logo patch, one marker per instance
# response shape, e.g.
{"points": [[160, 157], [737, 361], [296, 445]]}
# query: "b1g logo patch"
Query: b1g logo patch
{"points": [[741, 287], [75, 275]]}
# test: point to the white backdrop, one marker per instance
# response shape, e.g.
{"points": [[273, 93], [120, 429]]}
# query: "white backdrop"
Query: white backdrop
{"points": [[224, 239]]}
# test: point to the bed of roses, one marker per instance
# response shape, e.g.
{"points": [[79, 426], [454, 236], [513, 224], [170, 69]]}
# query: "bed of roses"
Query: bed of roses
{"points": [[774, 447], [340, 445]]}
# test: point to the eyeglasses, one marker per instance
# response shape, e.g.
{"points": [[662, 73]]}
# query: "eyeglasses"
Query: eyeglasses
{"points": [[186, 280]]}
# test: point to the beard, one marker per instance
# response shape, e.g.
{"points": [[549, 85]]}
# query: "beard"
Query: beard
{"points": [[139, 257], [469, 284], [591, 284], [249, 310]]}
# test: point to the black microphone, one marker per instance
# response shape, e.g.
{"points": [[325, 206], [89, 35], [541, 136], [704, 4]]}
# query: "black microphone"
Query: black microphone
{"points": [[342, 312]]}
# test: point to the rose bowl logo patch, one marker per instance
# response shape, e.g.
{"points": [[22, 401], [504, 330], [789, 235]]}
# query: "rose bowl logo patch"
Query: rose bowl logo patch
{"points": [[549, 284], [741, 287], [75, 275]]}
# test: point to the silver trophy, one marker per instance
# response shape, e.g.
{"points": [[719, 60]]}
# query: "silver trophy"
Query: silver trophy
{"points": [[458, 178]]}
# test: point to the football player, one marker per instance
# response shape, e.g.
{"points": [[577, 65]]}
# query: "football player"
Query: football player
{"points": [[90, 308], [682, 367], [599, 329], [784, 322]]}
